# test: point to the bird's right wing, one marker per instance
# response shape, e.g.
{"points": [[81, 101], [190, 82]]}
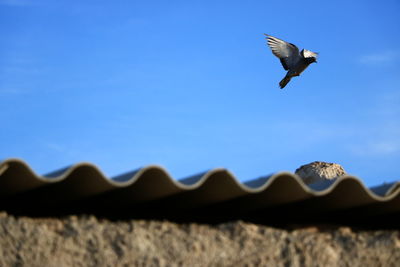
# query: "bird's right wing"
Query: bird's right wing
{"points": [[288, 53]]}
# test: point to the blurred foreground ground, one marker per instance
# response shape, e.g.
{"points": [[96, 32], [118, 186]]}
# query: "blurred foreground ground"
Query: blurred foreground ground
{"points": [[88, 241]]}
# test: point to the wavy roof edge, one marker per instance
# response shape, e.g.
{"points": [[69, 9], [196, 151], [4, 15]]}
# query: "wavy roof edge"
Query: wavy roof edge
{"points": [[25, 179]]}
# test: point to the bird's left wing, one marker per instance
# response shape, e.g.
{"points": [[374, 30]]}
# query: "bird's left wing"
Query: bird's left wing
{"points": [[288, 53]]}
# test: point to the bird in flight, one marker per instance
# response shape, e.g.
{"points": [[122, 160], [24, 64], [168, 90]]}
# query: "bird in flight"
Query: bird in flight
{"points": [[292, 60]]}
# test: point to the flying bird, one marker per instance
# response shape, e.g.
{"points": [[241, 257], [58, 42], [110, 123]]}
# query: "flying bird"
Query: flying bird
{"points": [[292, 60]]}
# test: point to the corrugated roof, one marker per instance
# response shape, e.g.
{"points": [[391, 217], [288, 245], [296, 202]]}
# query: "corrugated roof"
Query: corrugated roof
{"points": [[212, 196]]}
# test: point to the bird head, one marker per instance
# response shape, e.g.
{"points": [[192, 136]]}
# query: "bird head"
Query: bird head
{"points": [[309, 56]]}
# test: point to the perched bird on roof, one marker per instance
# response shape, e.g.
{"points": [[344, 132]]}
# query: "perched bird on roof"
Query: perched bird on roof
{"points": [[292, 60]]}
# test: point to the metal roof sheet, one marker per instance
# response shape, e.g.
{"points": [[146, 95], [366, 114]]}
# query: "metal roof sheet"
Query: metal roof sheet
{"points": [[212, 195]]}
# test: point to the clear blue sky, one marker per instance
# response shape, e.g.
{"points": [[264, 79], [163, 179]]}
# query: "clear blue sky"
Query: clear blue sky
{"points": [[191, 85]]}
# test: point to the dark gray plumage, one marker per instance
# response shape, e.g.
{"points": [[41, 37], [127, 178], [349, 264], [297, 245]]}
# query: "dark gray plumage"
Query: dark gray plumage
{"points": [[292, 60]]}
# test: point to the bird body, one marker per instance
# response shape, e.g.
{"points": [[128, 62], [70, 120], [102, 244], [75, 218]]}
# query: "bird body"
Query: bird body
{"points": [[292, 60]]}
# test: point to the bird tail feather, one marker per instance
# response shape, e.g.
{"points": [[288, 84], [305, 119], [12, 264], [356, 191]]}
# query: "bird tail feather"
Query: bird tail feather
{"points": [[284, 81]]}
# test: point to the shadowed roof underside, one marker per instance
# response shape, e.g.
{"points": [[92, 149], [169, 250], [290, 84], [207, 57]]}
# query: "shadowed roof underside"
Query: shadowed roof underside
{"points": [[212, 196]]}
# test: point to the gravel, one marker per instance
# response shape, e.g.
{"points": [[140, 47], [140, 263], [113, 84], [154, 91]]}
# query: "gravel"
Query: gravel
{"points": [[89, 241]]}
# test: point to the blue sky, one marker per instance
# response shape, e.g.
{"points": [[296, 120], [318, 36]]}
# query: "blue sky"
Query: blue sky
{"points": [[191, 85]]}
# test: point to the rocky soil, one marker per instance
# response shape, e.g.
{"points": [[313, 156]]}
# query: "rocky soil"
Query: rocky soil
{"points": [[88, 241]]}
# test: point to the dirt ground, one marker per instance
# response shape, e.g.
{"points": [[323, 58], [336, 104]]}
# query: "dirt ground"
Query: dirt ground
{"points": [[88, 241]]}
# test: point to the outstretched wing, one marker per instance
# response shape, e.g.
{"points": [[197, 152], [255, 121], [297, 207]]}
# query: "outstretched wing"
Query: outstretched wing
{"points": [[288, 53]]}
